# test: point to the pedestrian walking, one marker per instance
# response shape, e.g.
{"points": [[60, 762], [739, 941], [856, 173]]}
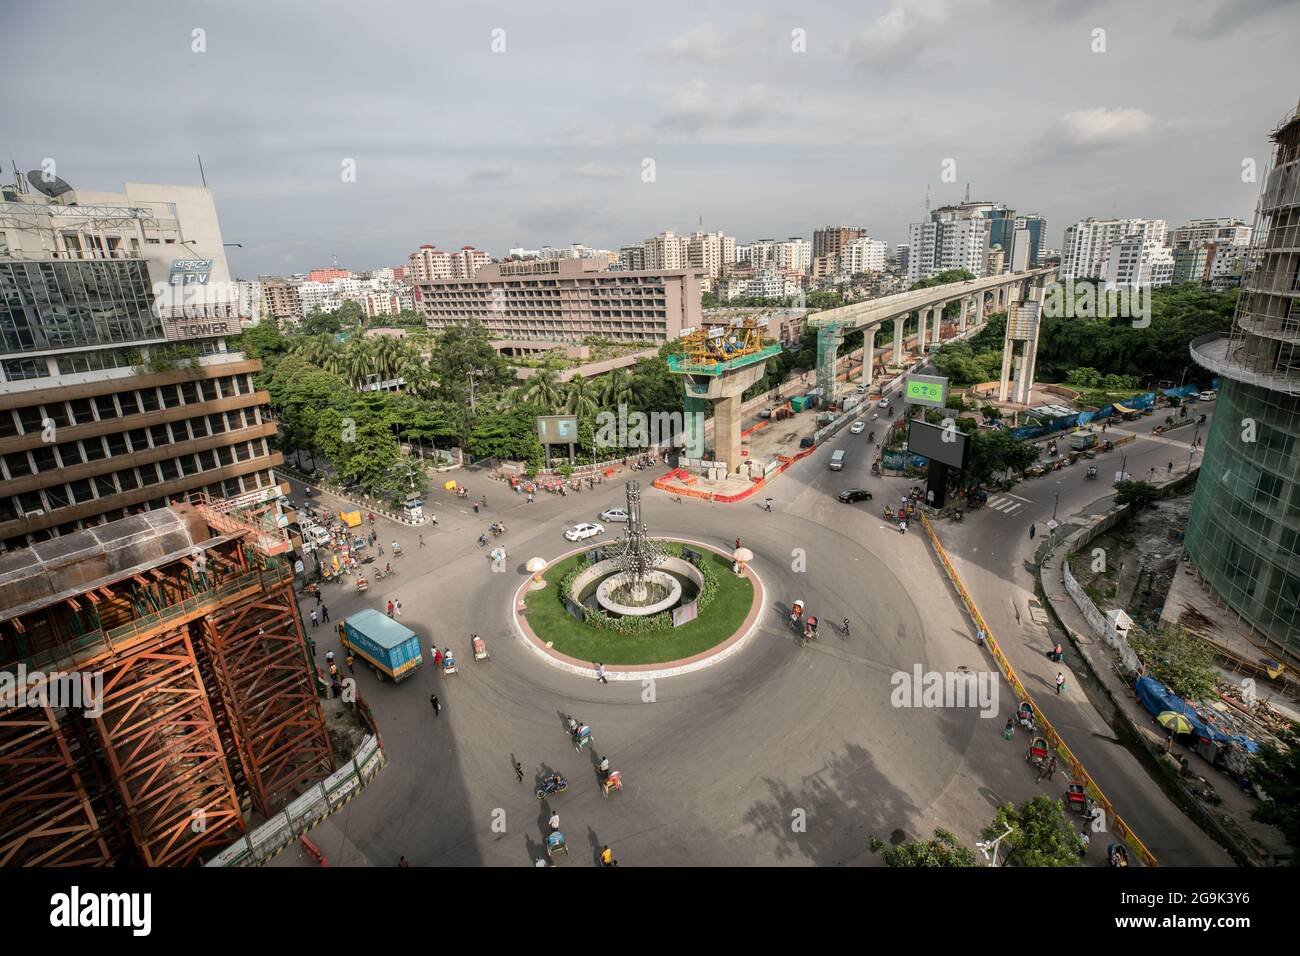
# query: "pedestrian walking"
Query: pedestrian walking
{"points": [[349, 660], [1171, 468], [401, 861], [1009, 730], [902, 527], [737, 544], [397, 606], [318, 599], [381, 550], [324, 614], [485, 502], [390, 608], [519, 771], [767, 505], [1051, 767], [329, 657], [437, 658], [979, 637], [554, 822], [1042, 769], [1033, 530], [1084, 841], [437, 707], [422, 541], [600, 673], [335, 688], [1060, 683], [476, 507], [313, 617]]}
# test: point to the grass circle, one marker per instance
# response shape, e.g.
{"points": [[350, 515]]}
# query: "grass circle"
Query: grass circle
{"points": [[548, 619]]}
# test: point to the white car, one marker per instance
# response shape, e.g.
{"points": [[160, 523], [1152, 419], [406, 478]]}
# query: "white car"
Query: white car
{"points": [[614, 514], [883, 403], [857, 428], [1208, 395], [584, 530]]}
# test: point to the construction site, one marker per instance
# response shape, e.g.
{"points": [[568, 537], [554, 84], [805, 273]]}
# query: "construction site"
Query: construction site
{"points": [[198, 708]]}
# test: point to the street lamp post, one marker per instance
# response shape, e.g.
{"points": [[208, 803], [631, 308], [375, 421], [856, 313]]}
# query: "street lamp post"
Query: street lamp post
{"points": [[985, 846]]}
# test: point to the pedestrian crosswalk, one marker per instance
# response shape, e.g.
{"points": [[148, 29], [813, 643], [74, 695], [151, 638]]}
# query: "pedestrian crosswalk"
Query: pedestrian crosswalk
{"points": [[1006, 504]]}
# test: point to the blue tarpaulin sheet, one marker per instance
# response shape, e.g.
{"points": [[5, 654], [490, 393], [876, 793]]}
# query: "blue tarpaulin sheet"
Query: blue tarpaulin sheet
{"points": [[1157, 698]]}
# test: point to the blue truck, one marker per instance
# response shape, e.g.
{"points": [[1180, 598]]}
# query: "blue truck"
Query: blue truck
{"points": [[392, 650]]}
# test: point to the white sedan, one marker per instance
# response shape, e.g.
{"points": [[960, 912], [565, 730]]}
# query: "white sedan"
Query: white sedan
{"points": [[857, 428], [883, 403], [614, 514], [584, 530]]}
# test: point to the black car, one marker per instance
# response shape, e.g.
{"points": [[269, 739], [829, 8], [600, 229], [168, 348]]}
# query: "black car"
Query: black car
{"points": [[851, 495]]}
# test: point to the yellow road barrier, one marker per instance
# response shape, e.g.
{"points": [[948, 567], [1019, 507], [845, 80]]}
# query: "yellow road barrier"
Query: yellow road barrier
{"points": [[1045, 729]]}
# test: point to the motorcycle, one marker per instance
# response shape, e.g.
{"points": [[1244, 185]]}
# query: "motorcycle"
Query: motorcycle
{"points": [[551, 786]]}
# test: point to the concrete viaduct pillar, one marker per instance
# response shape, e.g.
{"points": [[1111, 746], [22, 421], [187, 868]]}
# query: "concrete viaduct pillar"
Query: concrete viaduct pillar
{"points": [[937, 312], [900, 323], [922, 328], [869, 354]]}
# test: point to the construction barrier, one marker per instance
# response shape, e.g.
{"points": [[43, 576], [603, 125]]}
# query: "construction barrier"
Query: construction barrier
{"points": [[662, 482], [1045, 729]]}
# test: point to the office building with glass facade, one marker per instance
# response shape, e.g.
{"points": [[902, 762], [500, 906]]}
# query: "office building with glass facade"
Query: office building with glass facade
{"points": [[1243, 535], [117, 390]]}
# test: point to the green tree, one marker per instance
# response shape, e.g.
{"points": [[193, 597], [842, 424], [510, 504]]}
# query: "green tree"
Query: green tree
{"points": [[543, 389], [1140, 494], [1040, 834], [943, 850], [1179, 660], [1275, 769], [580, 397]]}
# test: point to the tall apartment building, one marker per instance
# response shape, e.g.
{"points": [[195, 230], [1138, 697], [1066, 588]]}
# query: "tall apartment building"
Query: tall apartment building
{"points": [[1135, 261], [429, 262], [1244, 526], [565, 300], [1036, 226], [902, 255], [632, 258], [863, 254], [117, 391], [955, 237], [789, 255], [327, 275], [830, 240], [1192, 263], [710, 252], [1086, 253], [1223, 231], [666, 251], [281, 299]]}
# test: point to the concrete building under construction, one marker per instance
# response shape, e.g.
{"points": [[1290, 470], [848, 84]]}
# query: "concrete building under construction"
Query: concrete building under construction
{"points": [[200, 706]]}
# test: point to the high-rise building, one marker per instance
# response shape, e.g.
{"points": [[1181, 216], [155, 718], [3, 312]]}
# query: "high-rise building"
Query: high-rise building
{"points": [[1135, 261], [863, 254], [1243, 535], [566, 300], [1037, 227], [117, 390], [666, 251], [632, 258], [830, 240], [955, 237], [1192, 263], [1088, 243], [281, 299], [710, 252], [1223, 231], [902, 255], [327, 275]]}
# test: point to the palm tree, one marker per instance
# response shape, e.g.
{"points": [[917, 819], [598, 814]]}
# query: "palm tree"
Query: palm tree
{"points": [[616, 389], [580, 397], [543, 389]]}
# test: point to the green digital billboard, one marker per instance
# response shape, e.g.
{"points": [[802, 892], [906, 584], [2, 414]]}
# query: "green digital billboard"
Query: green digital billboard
{"points": [[931, 390]]}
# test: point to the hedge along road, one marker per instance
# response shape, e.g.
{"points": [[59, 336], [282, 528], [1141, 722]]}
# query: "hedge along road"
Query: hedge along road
{"points": [[724, 615], [776, 755]]}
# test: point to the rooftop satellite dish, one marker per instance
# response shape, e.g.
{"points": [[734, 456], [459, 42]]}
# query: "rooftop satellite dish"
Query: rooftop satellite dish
{"points": [[52, 186]]}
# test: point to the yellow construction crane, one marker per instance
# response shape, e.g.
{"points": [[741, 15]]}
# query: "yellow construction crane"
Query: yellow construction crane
{"points": [[722, 343]]}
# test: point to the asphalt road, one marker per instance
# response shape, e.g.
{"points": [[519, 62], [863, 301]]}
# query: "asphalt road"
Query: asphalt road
{"points": [[778, 755]]}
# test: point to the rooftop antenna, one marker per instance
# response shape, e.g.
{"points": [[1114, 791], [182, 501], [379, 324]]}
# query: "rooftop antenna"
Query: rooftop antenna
{"points": [[201, 175], [968, 192], [927, 197], [20, 184], [701, 226]]}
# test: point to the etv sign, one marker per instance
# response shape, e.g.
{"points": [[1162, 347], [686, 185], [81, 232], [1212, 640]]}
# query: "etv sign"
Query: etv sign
{"points": [[931, 390]]}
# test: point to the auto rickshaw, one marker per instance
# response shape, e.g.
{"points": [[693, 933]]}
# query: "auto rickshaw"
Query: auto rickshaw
{"points": [[480, 648], [1025, 716], [1037, 752], [1076, 798]]}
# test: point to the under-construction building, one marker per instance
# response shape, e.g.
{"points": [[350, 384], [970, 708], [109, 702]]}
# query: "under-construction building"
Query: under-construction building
{"points": [[200, 701]]}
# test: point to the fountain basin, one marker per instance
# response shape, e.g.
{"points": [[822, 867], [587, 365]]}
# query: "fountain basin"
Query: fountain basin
{"points": [[663, 591], [610, 578]]}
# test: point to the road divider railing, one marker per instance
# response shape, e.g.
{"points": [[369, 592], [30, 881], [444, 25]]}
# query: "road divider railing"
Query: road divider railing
{"points": [[1044, 727]]}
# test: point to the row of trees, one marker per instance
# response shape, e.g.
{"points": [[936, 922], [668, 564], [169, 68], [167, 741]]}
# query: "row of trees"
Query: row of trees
{"points": [[1103, 354], [1040, 836]]}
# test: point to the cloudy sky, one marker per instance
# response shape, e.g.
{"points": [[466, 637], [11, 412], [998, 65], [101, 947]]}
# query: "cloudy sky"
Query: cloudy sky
{"points": [[505, 124]]}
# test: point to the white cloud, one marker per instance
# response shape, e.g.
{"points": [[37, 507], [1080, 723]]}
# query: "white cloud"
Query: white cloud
{"points": [[599, 171], [700, 43], [1104, 126], [897, 36]]}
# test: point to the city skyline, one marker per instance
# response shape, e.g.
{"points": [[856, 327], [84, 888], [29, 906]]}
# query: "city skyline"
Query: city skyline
{"points": [[551, 148]]}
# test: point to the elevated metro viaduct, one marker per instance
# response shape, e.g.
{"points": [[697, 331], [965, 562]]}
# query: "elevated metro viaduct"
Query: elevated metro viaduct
{"points": [[722, 383], [207, 702], [995, 293]]}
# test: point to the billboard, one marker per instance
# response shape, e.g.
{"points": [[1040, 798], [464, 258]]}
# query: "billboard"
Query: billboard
{"points": [[946, 445], [931, 390], [557, 429]]}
